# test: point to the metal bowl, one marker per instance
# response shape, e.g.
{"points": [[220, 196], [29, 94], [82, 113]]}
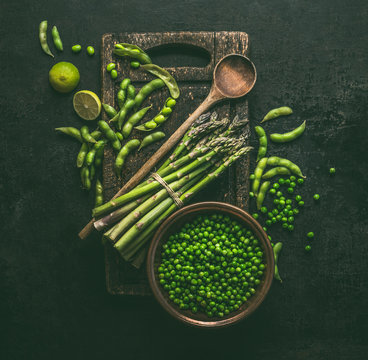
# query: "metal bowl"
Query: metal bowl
{"points": [[171, 226]]}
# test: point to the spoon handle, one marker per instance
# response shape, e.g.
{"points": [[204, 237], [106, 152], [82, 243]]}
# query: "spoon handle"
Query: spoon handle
{"points": [[212, 98]]}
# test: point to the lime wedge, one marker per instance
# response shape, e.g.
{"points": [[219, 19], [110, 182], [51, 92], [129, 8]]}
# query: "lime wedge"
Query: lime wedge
{"points": [[87, 104]]}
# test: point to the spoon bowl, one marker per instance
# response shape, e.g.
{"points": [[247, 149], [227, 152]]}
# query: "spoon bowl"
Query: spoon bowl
{"points": [[234, 76]]}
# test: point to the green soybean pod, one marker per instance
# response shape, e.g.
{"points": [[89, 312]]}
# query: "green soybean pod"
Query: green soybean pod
{"points": [[130, 92], [82, 154], [99, 198], [123, 153], [132, 51], [71, 131], [165, 77], [76, 48], [262, 138], [109, 134], [110, 111], [133, 120], [276, 251], [56, 37], [129, 104], [100, 154], [86, 136], [276, 171], [258, 172], [289, 136], [124, 84], [96, 134], [92, 153], [274, 113], [43, 38], [276, 161], [86, 181], [262, 193], [92, 172], [147, 90], [121, 95], [152, 138]]}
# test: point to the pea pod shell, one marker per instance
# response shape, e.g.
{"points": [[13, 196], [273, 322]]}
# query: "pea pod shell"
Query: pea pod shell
{"points": [[56, 37], [276, 251], [262, 138], [99, 199], [43, 38], [262, 193], [165, 77], [86, 181], [289, 136], [275, 113], [110, 111], [152, 138], [258, 172], [82, 155], [277, 161], [278, 170]]}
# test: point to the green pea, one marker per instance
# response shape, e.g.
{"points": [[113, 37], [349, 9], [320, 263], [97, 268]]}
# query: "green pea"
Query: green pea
{"points": [[298, 198], [110, 67], [171, 103], [76, 48], [255, 216], [290, 227], [252, 176], [300, 181], [90, 50], [159, 119], [150, 124], [290, 190], [285, 225], [251, 194], [281, 181], [114, 74], [166, 111], [276, 185], [279, 194], [296, 211], [308, 248], [310, 234], [135, 64], [272, 191], [301, 203], [332, 171], [290, 219], [263, 209], [316, 196], [292, 178], [269, 222], [292, 184]]}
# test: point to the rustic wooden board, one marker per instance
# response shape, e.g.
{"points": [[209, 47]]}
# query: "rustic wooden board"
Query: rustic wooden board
{"points": [[194, 83]]}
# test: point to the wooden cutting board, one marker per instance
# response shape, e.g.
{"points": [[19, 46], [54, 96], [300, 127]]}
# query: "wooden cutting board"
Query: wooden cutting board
{"points": [[203, 48]]}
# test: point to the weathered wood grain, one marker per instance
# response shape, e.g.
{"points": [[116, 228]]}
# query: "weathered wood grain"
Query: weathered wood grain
{"points": [[194, 83]]}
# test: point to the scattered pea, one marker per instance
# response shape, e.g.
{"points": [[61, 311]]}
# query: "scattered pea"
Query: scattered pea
{"points": [[290, 219], [290, 227], [252, 176], [308, 248], [281, 181], [276, 185], [296, 211], [114, 74], [110, 67], [263, 209], [135, 64], [300, 181], [251, 194], [272, 191], [279, 194], [301, 203], [332, 171], [310, 234], [287, 182], [292, 184], [90, 50], [269, 222], [292, 178], [290, 190], [316, 197], [76, 48], [298, 198], [255, 216]]}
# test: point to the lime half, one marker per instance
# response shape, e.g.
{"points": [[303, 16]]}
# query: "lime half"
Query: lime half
{"points": [[87, 104]]}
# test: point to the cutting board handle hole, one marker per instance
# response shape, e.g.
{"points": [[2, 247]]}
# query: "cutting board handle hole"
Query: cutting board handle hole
{"points": [[179, 55]]}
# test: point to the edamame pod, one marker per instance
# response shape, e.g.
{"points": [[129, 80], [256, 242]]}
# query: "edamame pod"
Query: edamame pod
{"points": [[99, 200], [110, 111], [262, 138], [96, 134], [278, 170], [129, 104], [152, 138], [258, 174], [132, 51], [165, 77], [160, 118], [92, 172], [133, 120], [56, 37], [82, 154], [276, 161], [90, 157], [276, 251], [71, 131], [100, 154], [109, 134], [86, 136], [123, 153], [86, 182], [147, 90], [274, 113], [262, 193], [289, 136], [119, 135], [124, 84], [43, 38]]}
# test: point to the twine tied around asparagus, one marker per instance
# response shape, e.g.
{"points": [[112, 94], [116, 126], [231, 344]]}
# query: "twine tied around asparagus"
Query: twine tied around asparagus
{"points": [[170, 191]]}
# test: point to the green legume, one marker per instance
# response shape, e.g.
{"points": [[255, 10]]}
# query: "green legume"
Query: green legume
{"points": [[310, 234], [110, 67], [316, 196], [56, 37], [43, 38], [113, 74], [76, 48], [135, 64], [274, 113], [90, 50], [308, 248], [332, 171], [300, 181], [252, 177]]}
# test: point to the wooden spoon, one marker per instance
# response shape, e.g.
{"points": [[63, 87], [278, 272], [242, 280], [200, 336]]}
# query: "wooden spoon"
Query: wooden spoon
{"points": [[234, 76]]}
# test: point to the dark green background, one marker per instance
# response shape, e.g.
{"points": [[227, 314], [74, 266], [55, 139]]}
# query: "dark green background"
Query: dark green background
{"points": [[311, 55]]}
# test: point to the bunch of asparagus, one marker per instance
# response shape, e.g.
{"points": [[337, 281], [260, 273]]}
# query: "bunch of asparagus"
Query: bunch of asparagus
{"points": [[208, 148]]}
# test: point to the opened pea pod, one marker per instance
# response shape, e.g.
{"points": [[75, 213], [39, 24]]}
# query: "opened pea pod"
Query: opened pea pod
{"points": [[160, 118], [133, 51]]}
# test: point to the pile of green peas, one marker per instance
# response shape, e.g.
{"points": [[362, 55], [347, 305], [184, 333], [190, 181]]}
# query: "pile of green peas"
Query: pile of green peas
{"points": [[213, 265]]}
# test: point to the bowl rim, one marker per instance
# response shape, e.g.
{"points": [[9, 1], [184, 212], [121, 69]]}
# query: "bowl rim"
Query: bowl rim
{"points": [[209, 206]]}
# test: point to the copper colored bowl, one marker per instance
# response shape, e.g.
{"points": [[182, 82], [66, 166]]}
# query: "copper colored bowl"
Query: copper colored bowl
{"points": [[171, 226]]}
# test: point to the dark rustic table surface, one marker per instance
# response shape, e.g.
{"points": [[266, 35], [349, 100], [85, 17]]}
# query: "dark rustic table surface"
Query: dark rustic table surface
{"points": [[312, 55]]}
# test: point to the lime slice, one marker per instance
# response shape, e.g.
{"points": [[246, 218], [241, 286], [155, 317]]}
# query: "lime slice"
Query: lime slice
{"points": [[87, 104]]}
